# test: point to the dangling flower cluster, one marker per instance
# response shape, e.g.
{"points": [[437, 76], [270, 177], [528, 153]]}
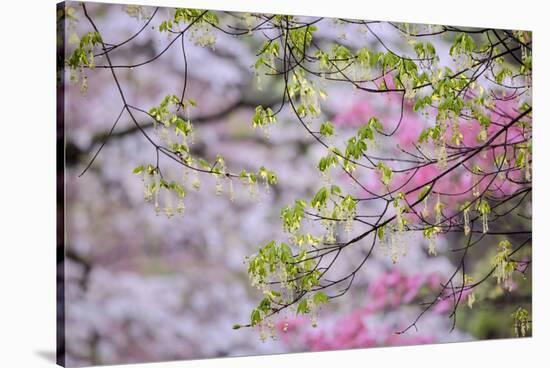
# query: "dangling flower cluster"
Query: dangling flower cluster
{"points": [[196, 183], [457, 136], [438, 210], [441, 149], [424, 195], [266, 328], [408, 84], [465, 208], [292, 218], [136, 11], [295, 276], [231, 191], [328, 224], [521, 322], [436, 76], [202, 33], [348, 206], [425, 209], [526, 56], [430, 234], [484, 209], [263, 118], [154, 184], [83, 57], [219, 186], [219, 171], [249, 179], [391, 242], [329, 217], [527, 170], [180, 209], [397, 246], [504, 267], [309, 95], [475, 182], [84, 83], [149, 182], [362, 67], [268, 177]]}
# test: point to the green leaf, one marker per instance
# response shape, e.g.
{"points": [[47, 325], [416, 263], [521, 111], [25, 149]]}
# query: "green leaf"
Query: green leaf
{"points": [[178, 189], [265, 304], [375, 124], [320, 298], [327, 129], [139, 169], [263, 116], [386, 173], [380, 232], [463, 43], [320, 199], [255, 317], [204, 164], [365, 132], [164, 184], [335, 189], [424, 192], [302, 307]]}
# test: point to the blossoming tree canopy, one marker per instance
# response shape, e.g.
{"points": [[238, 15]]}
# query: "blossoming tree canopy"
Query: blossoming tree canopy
{"points": [[437, 143]]}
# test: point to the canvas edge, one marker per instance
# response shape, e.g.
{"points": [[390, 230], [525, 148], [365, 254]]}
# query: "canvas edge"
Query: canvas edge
{"points": [[60, 185]]}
